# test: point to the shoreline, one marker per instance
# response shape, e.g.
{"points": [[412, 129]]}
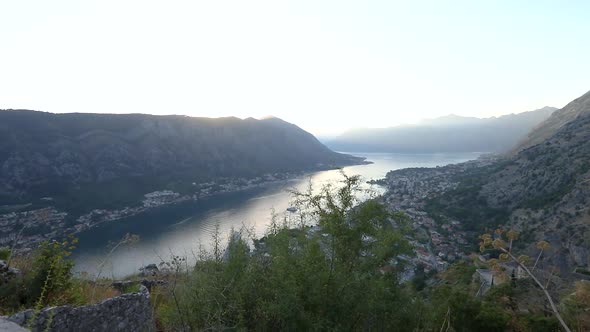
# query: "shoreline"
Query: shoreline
{"points": [[59, 226]]}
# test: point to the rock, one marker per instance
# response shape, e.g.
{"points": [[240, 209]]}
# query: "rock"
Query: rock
{"points": [[149, 270], [128, 312], [579, 255], [8, 326], [149, 284], [7, 273], [21, 317]]}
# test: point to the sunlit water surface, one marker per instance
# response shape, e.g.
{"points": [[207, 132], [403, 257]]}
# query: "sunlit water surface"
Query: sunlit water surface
{"points": [[181, 229]]}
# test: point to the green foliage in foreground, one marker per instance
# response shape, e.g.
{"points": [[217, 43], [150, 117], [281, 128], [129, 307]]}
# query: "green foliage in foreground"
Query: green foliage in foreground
{"points": [[342, 275], [47, 280], [333, 279], [4, 253]]}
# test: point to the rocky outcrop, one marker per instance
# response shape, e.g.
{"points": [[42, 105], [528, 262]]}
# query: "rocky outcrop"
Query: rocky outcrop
{"points": [[129, 312], [542, 191], [149, 270]]}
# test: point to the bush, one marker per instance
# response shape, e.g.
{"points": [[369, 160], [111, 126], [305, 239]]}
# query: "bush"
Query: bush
{"points": [[297, 279], [51, 276], [4, 253], [541, 323], [49, 281], [492, 318], [12, 296]]}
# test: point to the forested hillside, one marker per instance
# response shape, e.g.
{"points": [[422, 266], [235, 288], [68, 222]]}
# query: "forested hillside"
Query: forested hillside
{"points": [[69, 155]]}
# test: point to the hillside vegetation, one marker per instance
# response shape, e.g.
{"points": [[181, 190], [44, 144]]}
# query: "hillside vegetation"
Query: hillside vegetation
{"points": [[342, 274], [542, 190], [107, 157]]}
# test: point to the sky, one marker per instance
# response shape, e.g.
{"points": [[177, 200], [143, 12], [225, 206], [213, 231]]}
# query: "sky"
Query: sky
{"points": [[326, 66]]}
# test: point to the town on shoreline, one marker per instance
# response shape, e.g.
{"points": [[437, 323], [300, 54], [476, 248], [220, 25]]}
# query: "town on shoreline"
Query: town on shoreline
{"points": [[406, 190], [22, 230], [436, 243]]}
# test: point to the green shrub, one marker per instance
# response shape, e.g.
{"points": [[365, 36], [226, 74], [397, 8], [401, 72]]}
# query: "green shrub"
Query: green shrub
{"points": [[133, 288], [582, 271], [51, 275], [541, 323], [13, 296], [4, 253], [49, 282], [300, 280], [492, 318]]}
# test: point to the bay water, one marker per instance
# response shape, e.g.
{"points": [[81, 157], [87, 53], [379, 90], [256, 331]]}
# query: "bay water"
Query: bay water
{"points": [[182, 228]]}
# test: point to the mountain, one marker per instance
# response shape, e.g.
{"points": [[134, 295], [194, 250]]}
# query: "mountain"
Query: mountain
{"points": [[542, 189], [450, 133], [77, 157], [557, 120]]}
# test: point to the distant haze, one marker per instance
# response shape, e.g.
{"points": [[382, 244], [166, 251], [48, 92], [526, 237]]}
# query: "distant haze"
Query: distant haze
{"points": [[450, 133], [324, 65]]}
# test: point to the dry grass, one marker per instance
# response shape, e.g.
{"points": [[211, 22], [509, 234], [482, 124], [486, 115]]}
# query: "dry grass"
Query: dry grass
{"points": [[22, 262], [102, 292]]}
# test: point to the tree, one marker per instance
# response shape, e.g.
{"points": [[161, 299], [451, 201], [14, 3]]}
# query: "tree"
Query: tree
{"points": [[340, 275]]}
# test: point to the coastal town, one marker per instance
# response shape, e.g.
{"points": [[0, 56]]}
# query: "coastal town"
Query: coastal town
{"points": [[28, 227], [436, 243], [23, 229], [406, 190]]}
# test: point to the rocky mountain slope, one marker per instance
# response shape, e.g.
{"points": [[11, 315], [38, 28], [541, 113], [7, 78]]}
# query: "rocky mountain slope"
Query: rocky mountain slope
{"points": [[445, 134], [65, 156], [546, 185], [558, 119], [541, 190]]}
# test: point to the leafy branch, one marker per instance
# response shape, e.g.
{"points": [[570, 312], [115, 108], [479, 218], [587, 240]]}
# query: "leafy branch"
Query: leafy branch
{"points": [[497, 242]]}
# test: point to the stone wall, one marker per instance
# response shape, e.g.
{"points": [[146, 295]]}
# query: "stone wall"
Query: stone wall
{"points": [[128, 312]]}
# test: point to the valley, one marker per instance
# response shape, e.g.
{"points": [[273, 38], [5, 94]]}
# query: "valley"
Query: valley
{"points": [[182, 228], [180, 166]]}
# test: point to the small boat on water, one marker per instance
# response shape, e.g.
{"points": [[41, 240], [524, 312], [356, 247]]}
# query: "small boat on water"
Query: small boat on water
{"points": [[292, 209]]}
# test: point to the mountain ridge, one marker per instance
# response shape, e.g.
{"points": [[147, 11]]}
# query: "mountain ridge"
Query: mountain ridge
{"points": [[449, 133], [557, 120], [46, 154], [541, 189]]}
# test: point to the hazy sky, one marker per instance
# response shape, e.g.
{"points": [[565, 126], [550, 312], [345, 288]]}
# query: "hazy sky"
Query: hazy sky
{"points": [[323, 65]]}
